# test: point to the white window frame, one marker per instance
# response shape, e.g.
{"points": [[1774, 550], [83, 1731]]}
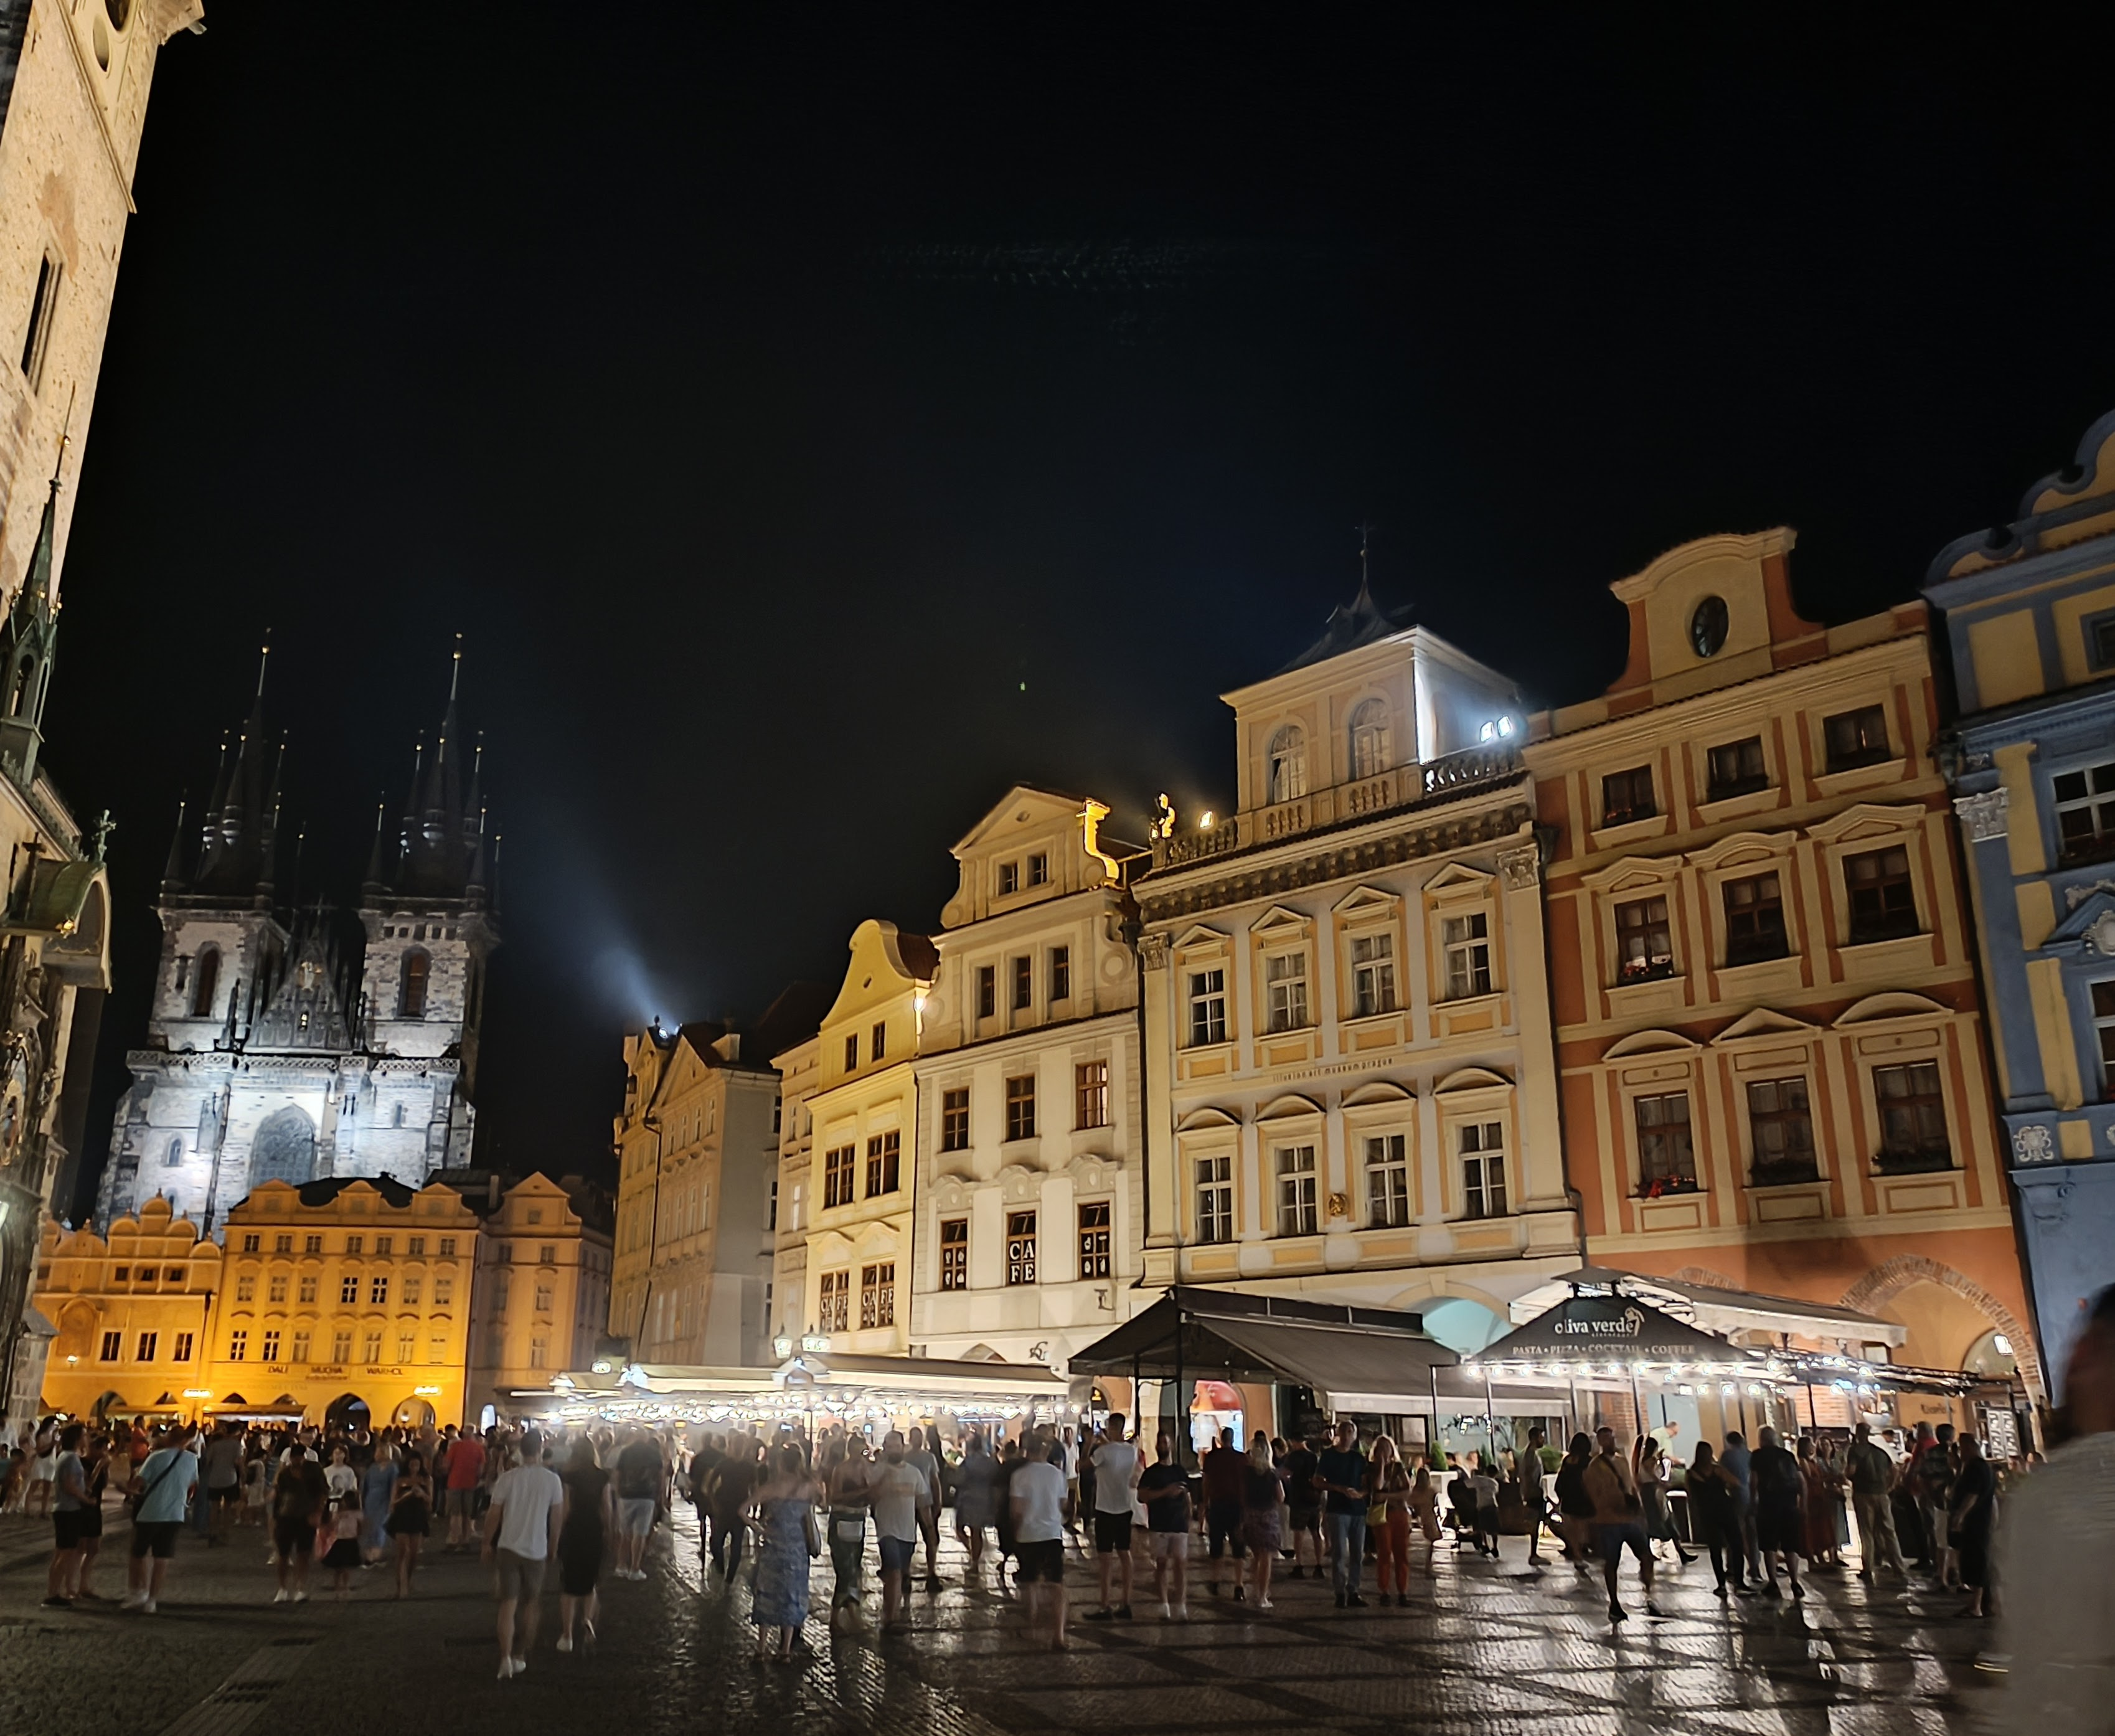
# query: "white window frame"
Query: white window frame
{"points": [[1286, 1006], [1464, 955], [1389, 1160], [1480, 1145], [1216, 1029], [1373, 983], [1212, 1197], [1285, 764], [1297, 1173]]}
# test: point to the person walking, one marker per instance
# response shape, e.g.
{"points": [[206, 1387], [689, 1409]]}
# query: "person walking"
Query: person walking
{"points": [[1618, 1521], [1035, 1496], [220, 1468], [164, 1484], [733, 1486], [464, 1477], [1164, 1488], [1575, 1507], [1734, 1460], [848, 1498], [584, 1534], [898, 1493], [299, 1500], [1533, 1495], [1871, 1470], [1651, 1472], [638, 1492], [1340, 1474], [1303, 1508], [521, 1537], [1221, 1470], [1715, 1522], [1263, 1495], [1779, 1494], [69, 1515], [1117, 1472], [1969, 1520], [976, 1500], [783, 1518], [377, 1487], [923, 1459], [411, 1519], [1387, 1518], [1931, 1479]]}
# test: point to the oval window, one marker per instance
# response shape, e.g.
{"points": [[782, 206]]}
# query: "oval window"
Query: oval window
{"points": [[1707, 626]]}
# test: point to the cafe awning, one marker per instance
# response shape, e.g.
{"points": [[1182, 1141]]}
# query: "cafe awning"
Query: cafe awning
{"points": [[1615, 1336], [1353, 1359], [1715, 1308]]}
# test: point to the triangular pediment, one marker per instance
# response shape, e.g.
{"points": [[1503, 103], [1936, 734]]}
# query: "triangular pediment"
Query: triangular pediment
{"points": [[1460, 878], [1365, 901], [1199, 938], [1023, 812], [1629, 872], [1763, 1023], [2095, 906], [1279, 922]]}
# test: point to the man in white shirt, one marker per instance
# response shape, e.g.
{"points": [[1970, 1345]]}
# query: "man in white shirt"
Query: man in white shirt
{"points": [[922, 1459], [521, 1537], [1117, 1469], [896, 1489], [1037, 1494]]}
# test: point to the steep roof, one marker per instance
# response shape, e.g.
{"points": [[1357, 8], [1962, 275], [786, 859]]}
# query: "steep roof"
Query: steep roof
{"points": [[1351, 627]]}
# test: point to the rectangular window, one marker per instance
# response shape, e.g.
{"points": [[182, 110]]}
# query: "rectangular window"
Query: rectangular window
{"points": [[251, 1244], [282, 1244], [342, 1347], [348, 1288], [1644, 946], [2085, 814], [444, 1291], [436, 1347], [145, 1349], [411, 1292], [539, 1352], [245, 1287], [1061, 973], [877, 1040], [1285, 980], [113, 1346], [1024, 982], [1020, 1247], [1208, 1006], [884, 1154], [546, 1253], [1009, 879], [37, 339], [878, 1295], [377, 1292], [1388, 1181], [1882, 905], [275, 1287], [987, 991], [836, 1292], [1781, 1131], [1912, 1120], [954, 1253], [1855, 739], [1736, 770], [306, 1290], [1483, 1148], [501, 1282], [300, 1347], [1215, 1199], [352, 1244], [312, 1244], [838, 1177], [271, 1345], [1090, 1095], [407, 1347], [384, 1244], [1755, 921], [1667, 1162], [1467, 943], [1039, 869], [1627, 796], [2103, 1027], [1094, 1239], [370, 1346], [181, 1350], [447, 1247], [851, 1054], [1373, 974], [416, 1247], [1296, 1214], [955, 1120], [1020, 1107], [238, 1345]]}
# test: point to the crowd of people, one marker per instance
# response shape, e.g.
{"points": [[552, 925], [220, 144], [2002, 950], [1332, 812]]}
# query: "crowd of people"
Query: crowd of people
{"points": [[770, 1506]]}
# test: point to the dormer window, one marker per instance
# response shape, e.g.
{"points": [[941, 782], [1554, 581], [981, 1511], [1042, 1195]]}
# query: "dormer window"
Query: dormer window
{"points": [[1627, 796], [1856, 738], [1288, 763], [1039, 869], [1371, 753], [1009, 879]]}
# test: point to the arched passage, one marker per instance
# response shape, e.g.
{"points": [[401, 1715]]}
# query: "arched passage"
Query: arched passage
{"points": [[1886, 1286], [346, 1412]]}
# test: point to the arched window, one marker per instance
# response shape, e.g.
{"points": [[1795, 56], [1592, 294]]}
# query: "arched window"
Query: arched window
{"points": [[1288, 763], [174, 1156], [1371, 753], [411, 989], [18, 697], [206, 983]]}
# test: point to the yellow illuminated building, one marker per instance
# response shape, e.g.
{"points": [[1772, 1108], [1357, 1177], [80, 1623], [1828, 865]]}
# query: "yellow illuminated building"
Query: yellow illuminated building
{"points": [[541, 1290], [134, 1312]]}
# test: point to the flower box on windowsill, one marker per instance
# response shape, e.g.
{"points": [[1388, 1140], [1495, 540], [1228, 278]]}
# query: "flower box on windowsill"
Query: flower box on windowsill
{"points": [[1667, 1187], [1912, 1163]]}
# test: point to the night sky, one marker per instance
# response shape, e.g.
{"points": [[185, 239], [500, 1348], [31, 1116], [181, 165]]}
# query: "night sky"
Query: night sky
{"points": [[817, 421]]}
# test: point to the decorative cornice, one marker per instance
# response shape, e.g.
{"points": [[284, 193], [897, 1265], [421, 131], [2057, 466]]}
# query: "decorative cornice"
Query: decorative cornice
{"points": [[1318, 867]]}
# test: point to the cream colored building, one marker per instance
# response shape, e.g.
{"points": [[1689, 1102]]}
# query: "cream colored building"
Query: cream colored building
{"points": [[1031, 1207], [345, 1299], [863, 1115], [799, 1070], [133, 1308], [540, 1296], [698, 1180], [1351, 1086], [74, 80]]}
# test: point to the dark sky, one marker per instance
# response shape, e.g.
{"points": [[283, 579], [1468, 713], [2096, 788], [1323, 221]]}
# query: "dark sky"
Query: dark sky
{"points": [[816, 420]]}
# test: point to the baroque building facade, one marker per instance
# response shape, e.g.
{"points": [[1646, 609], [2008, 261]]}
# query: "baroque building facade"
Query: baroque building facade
{"points": [[287, 1044], [1029, 1204], [1766, 1012], [540, 1291], [2028, 613], [132, 1309], [1349, 1068], [74, 84]]}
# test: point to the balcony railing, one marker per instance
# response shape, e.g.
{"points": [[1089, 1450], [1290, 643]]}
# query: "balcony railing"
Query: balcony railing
{"points": [[1362, 798]]}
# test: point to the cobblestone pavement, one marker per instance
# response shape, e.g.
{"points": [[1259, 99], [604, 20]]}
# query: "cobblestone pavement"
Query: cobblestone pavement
{"points": [[1485, 1648]]}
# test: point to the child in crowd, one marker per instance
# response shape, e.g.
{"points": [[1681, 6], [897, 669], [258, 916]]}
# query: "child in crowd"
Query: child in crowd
{"points": [[343, 1556]]}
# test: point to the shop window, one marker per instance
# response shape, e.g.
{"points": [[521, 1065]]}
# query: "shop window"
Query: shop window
{"points": [[1094, 1238], [954, 1253], [834, 1291], [1020, 1247], [878, 1295]]}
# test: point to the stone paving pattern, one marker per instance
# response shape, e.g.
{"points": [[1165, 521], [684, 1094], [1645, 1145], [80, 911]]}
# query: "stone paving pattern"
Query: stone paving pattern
{"points": [[1485, 1648]]}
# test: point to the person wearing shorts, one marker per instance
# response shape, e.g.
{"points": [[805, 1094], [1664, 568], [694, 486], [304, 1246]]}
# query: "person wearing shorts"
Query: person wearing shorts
{"points": [[901, 1501], [637, 1497], [1619, 1521], [1116, 1472], [69, 1519], [521, 1537], [1036, 1494], [1223, 1471], [165, 1485], [298, 1500], [465, 1471], [1164, 1488]]}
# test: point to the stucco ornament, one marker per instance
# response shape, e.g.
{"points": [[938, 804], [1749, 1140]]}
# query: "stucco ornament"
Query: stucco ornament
{"points": [[2101, 936], [2032, 1144], [1982, 817]]}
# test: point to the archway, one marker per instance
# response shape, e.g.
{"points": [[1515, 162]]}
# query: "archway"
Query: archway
{"points": [[1885, 1285], [346, 1414], [284, 1149], [414, 1414]]}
